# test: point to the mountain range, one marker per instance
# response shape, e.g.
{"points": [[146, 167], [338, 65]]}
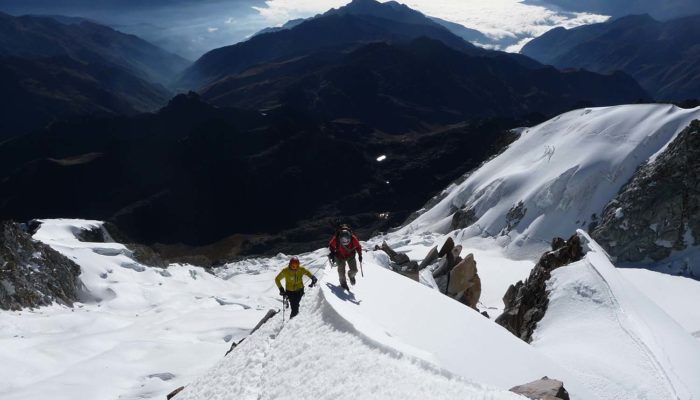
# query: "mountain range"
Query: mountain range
{"points": [[413, 86], [664, 57], [196, 174], [667, 9], [54, 68], [361, 21], [286, 112]]}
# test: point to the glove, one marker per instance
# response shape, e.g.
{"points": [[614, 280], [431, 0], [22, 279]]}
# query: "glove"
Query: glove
{"points": [[331, 257], [313, 281], [359, 256], [282, 292]]}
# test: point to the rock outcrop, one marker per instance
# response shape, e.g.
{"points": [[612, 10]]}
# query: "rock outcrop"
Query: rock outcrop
{"points": [[454, 276], [526, 302], [33, 274], [400, 262], [463, 218], [464, 283], [545, 389], [658, 211]]}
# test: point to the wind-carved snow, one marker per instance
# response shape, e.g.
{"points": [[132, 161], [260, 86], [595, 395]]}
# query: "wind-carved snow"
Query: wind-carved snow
{"points": [[138, 332], [563, 171], [391, 338], [614, 338]]}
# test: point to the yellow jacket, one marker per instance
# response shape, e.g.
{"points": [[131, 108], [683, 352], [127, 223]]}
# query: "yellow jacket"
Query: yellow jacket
{"points": [[293, 279]]}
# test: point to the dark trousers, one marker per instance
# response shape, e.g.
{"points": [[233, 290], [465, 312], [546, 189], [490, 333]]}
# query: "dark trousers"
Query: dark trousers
{"points": [[294, 299]]}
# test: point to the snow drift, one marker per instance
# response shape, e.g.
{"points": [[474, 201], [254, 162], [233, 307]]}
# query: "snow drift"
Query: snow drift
{"points": [[558, 176], [613, 337], [137, 331], [392, 338]]}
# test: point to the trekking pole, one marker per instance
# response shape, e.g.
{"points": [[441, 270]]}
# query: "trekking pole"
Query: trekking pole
{"points": [[362, 272], [284, 306]]}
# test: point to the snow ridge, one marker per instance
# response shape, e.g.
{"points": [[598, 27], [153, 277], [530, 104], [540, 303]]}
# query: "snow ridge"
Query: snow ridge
{"points": [[318, 355], [558, 176], [615, 327]]}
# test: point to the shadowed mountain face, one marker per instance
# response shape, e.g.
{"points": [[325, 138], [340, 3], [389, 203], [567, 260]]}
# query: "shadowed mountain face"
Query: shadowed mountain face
{"points": [[44, 90], [617, 8], [40, 37], [196, 174], [54, 70], [359, 22], [399, 88], [298, 121], [664, 57]]}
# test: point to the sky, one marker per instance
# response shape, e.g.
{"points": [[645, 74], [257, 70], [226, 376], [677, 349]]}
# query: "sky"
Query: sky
{"points": [[192, 27]]}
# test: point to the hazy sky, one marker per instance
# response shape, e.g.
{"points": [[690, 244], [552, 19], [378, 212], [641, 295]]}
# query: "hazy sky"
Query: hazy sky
{"points": [[192, 27]]}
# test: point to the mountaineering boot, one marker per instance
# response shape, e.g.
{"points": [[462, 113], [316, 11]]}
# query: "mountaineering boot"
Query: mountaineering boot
{"points": [[352, 280], [344, 285]]}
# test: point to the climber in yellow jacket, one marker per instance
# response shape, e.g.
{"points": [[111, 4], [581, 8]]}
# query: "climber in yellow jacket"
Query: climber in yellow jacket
{"points": [[293, 277]]}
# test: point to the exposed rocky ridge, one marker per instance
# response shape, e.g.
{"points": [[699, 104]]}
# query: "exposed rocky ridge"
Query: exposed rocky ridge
{"points": [[658, 211], [32, 274], [526, 302], [453, 275]]}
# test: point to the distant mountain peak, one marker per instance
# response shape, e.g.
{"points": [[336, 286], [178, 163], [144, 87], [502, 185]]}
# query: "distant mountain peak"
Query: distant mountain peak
{"points": [[389, 10]]}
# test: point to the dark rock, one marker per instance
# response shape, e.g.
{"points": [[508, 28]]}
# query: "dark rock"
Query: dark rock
{"points": [[446, 247], [397, 258], [453, 257], [658, 211], [463, 218], [430, 258], [545, 388], [174, 392], [514, 216], [270, 313], [33, 274], [526, 302], [485, 314]]}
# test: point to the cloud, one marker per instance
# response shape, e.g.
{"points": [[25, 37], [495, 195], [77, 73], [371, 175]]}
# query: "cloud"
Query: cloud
{"points": [[508, 23], [277, 12]]}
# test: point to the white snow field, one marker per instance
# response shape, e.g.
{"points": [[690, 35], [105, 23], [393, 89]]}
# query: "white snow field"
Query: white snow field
{"points": [[563, 171], [138, 332], [613, 337], [391, 338], [678, 296]]}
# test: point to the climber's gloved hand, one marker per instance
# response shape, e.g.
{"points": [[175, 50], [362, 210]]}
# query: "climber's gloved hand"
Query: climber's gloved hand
{"points": [[331, 257], [359, 256], [313, 281], [282, 292]]}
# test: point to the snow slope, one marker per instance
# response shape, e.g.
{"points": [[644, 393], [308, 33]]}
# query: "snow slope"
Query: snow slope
{"points": [[138, 332], [391, 338], [678, 296], [563, 171], [613, 337]]}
